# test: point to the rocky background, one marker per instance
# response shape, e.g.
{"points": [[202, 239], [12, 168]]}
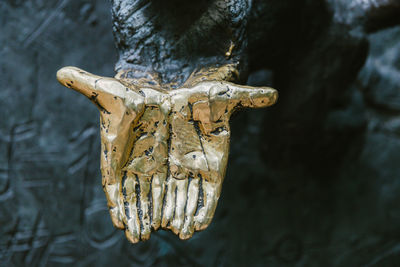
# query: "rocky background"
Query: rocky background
{"points": [[313, 181]]}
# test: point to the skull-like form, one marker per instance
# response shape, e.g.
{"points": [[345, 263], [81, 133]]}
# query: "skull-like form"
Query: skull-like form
{"points": [[164, 152]]}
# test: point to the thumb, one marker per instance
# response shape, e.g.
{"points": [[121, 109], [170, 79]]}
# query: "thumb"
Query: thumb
{"points": [[246, 96], [100, 90]]}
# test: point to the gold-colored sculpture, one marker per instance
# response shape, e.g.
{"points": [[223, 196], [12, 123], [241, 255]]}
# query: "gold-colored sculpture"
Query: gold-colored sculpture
{"points": [[164, 152]]}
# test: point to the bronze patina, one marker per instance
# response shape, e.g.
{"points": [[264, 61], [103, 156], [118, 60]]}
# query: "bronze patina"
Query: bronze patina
{"points": [[164, 152]]}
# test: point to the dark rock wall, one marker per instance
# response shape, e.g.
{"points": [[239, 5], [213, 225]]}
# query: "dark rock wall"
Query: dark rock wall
{"points": [[313, 181]]}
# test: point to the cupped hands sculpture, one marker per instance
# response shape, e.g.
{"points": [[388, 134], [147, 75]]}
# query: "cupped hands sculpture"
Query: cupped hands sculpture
{"points": [[164, 152]]}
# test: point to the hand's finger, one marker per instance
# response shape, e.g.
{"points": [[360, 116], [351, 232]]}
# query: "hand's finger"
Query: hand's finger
{"points": [[100, 90], [87, 83], [116, 217], [130, 199], [206, 213], [246, 96], [181, 196], [193, 193], [145, 207], [113, 201], [157, 188], [169, 207]]}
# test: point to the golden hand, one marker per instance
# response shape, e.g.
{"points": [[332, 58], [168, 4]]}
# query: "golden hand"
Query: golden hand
{"points": [[164, 152]]}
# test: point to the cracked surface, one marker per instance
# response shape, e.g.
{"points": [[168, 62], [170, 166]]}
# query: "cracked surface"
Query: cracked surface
{"points": [[164, 153]]}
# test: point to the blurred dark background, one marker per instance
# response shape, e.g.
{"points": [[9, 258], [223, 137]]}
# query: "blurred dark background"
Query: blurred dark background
{"points": [[313, 181]]}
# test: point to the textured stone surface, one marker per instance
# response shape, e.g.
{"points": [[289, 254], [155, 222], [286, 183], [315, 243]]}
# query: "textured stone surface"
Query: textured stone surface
{"points": [[315, 182]]}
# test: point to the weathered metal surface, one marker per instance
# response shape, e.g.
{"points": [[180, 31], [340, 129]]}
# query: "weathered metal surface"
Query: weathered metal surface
{"points": [[317, 172], [164, 152]]}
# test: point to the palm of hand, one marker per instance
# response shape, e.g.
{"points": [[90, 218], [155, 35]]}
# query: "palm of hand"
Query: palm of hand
{"points": [[164, 153]]}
